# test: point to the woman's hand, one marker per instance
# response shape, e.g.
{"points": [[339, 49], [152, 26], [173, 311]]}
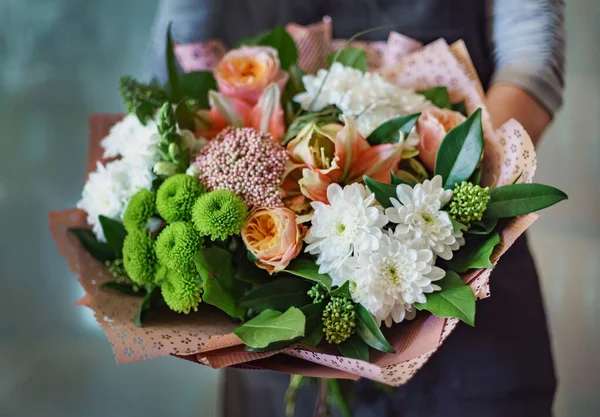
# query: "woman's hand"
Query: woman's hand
{"points": [[506, 101]]}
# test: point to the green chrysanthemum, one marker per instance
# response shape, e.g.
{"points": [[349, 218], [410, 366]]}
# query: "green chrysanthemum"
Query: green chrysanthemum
{"points": [[182, 290], [469, 201], [176, 197], [139, 257], [317, 293], [141, 207], [219, 214], [177, 244], [339, 320]]}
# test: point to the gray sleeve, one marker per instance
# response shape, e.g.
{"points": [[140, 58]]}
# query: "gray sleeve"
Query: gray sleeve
{"points": [[529, 41], [192, 21]]}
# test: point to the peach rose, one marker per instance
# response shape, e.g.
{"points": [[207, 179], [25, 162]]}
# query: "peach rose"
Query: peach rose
{"points": [[246, 72], [432, 127], [273, 236]]}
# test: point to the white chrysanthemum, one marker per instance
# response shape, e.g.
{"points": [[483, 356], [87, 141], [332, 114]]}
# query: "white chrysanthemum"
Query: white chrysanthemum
{"points": [[108, 190], [349, 224], [389, 281], [368, 97], [134, 141], [418, 213]]}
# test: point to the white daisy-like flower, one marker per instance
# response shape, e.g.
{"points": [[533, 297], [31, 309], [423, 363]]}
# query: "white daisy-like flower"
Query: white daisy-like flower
{"points": [[132, 140], [108, 190], [389, 281], [348, 225], [368, 97], [419, 217]]}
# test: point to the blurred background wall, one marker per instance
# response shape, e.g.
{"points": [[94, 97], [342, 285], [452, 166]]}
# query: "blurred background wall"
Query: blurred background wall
{"points": [[59, 61]]}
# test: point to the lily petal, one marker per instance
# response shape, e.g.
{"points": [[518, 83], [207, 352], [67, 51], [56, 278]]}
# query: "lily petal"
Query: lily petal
{"points": [[232, 111], [267, 115], [377, 162], [314, 184], [349, 147]]}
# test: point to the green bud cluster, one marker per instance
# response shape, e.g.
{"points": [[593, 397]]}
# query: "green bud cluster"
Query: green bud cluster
{"points": [[469, 201], [116, 268], [141, 99], [317, 293], [339, 320]]}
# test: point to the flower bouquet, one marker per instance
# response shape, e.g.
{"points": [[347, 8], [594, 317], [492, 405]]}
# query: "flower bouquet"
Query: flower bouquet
{"points": [[317, 207]]}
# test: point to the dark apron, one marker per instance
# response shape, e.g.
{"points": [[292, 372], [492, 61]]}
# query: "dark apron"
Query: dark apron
{"points": [[503, 366]]}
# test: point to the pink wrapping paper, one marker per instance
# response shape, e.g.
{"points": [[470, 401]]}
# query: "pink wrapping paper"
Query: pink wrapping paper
{"points": [[205, 337]]}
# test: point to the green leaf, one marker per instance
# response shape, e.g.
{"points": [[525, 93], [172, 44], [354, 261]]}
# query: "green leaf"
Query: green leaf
{"points": [[278, 294], [456, 225], [476, 177], [342, 291], [369, 331], [354, 348], [337, 397], [122, 288], [460, 107], [115, 234], [308, 269], [389, 132], [350, 57], [460, 151], [99, 250], [382, 191], [313, 339], [475, 254], [395, 179], [405, 177], [438, 96], [173, 87], [272, 326], [279, 39], [196, 85], [145, 306], [516, 199], [272, 346], [314, 316], [221, 289], [483, 227], [456, 299]]}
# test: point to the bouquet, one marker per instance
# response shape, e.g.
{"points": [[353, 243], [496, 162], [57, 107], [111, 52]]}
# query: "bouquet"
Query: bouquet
{"points": [[321, 208]]}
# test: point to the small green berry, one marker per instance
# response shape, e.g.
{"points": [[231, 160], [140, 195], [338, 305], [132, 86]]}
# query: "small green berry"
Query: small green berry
{"points": [[219, 214], [468, 202], [317, 293], [339, 320], [176, 197]]}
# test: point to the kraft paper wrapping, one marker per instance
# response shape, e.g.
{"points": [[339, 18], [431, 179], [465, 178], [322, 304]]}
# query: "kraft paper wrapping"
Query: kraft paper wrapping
{"points": [[205, 337]]}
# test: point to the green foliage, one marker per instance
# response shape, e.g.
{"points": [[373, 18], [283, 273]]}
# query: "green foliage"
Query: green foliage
{"points": [[173, 87], [468, 202], [368, 330], [484, 227], [339, 320], [141, 99], [350, 57], [314, 316], [516, 199], [196, 85], [337, 398], [460, 151], [140, 209], [221, 288], [354, 348], [456, 299], [342, 291], [219, 214], [308, 269], [114, 233], [278, 294], [151, 300], [181, 290], [139, 257], [393, 130], [475, 254], [438, 96], [99, 250], [317, 293], [177, 244], [176, 197], [383, 192], [271, 326]]}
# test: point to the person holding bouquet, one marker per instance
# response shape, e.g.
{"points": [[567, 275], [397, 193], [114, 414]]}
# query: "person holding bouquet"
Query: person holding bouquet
{"points": [[502, 367]]}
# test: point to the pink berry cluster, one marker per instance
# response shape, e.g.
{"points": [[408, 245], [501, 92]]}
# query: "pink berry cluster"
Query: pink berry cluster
{"points": [[246, 162]]}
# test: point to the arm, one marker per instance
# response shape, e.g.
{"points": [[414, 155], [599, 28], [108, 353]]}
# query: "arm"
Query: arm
{"points": [[528, 37]]}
